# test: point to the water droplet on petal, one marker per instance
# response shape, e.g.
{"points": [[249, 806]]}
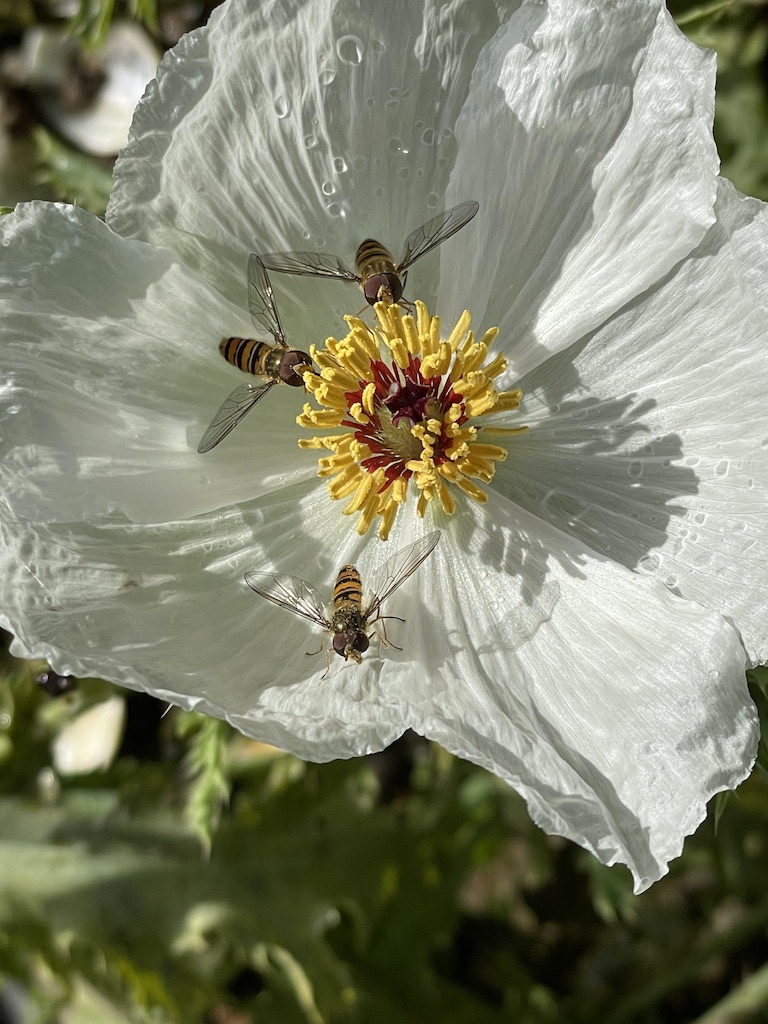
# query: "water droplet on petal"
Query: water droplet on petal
{"points": [[339, 164], [649, 564], [310, 140], [328, 188], [326, 76], [635, 470], [431, 137], [563, 509], [432, 200], [282, 107], [350, 50], [721, 468]]}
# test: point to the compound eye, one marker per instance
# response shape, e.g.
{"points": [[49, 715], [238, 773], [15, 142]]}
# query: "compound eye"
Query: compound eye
{"points": [[361, 643], [341, 642], [291, 360]]}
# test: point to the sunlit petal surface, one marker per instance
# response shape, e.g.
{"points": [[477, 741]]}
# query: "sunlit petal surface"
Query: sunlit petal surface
{"points": [[583, 133], [649, 441]]}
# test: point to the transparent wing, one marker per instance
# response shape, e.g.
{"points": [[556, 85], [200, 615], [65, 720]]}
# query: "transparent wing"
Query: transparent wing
{"points": [[435, 231], [261, 300], [289, 592], [397, 569], [230, 412], [311, 264]]}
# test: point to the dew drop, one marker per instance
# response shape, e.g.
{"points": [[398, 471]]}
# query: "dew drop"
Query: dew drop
{"points": [[764, 443], [282, 107], [635, 470], [649, 564], [350, 50], [563, 508], [432, 200], [326, 76], [328, 188], [370, 101], [397, 145], [404, 172], [431, 137], [339, 164], [335, 210], [310, 140], [721, 468], [700, 517]]}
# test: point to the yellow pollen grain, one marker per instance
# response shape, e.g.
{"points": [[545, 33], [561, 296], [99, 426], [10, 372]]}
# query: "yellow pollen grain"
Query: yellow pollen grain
{"points": [[357, 412], [364, 487], [459, 330], [318, 418], [509, 400], [369, 392], [504, 430]]}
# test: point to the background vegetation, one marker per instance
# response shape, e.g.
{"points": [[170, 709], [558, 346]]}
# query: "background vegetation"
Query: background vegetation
{"points": [[203, 877]]}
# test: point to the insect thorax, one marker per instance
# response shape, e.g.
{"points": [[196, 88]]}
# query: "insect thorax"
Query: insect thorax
{"points": [[377, 272]]}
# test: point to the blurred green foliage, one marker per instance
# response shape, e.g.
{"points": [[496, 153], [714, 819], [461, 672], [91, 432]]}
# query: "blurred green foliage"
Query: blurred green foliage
{"points": [[93, 17], [738, 32], [408, 886]]}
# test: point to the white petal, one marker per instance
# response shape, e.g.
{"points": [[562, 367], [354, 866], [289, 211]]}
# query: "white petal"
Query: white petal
{"points": [[301, 126], [615, 708], [651, 442], [111, 374], [90, 741], [586, 137], [165, 609]]}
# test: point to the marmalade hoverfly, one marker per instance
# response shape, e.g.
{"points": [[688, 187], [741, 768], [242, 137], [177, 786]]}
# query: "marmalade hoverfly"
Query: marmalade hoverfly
{"points": [[279, 363], [347, 619], [381, 279]]}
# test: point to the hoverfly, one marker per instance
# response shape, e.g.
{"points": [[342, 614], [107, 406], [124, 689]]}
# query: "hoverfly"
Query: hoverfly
{"points": [[347, 619], [279, 363], [381, 279]]}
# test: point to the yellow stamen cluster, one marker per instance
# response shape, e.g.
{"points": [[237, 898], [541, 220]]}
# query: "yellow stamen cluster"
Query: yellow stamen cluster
{"points": [[406, 398]]}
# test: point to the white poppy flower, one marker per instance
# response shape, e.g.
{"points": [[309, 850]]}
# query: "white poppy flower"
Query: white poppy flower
{"points": [[575, 630]]}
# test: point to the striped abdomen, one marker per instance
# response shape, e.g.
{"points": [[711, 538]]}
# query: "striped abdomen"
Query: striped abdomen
{"points": [[378, 274], [348, 588], [250, 355]]}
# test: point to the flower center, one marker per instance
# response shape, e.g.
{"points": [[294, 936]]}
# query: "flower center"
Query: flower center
{"points": [[409, 401]]}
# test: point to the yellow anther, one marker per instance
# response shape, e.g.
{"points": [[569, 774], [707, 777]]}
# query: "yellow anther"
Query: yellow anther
{"points": [[415, 400]]}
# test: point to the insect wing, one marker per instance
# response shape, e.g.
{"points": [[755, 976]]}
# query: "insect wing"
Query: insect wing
{"points": [[261, 300], [289, 592], [235, 408], [435, 231], [310, 264], [396, 570]]}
